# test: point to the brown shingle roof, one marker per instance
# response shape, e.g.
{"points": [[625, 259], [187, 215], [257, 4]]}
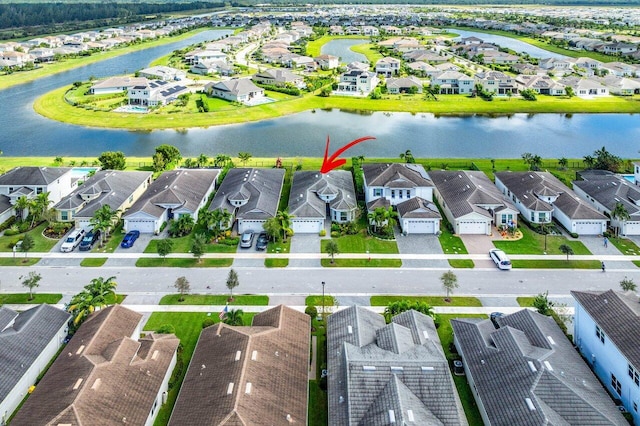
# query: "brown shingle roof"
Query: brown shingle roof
{"points": [[254, 375]]}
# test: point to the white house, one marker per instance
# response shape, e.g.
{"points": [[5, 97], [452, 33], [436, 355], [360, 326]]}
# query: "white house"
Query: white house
{"points": [[404, 85], [453, 83], [327, 62], [388, 66], [28, 342], [161, 72], [155, 92], [237, 90], [584, 87], [357, 82], [606, 327], [173, 194], [496, 82]]}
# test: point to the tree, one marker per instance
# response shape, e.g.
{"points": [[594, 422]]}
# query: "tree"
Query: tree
{"points": [[542, 303], [244, 157], [565, 249], [181, 227], [285, 223], [533, 160], [449, 282], [563, 162], [221, 160], [273, 228], [589, 161], [604, 160], [400, 306], [27, 244], [102, 220], [232, 282], [169, 153], [31, 281], [332, 249], [198, 245], [164, 247], [234, 317], [627, 284], [112, 160], [620, 214], [21, 207], [39, 207], [569, 91], [214, 220], [407, 156], [158, 162], [182, 285], [202, 160]]}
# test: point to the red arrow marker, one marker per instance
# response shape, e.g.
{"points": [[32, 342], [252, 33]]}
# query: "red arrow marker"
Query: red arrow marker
{"points": [[332, 162]]}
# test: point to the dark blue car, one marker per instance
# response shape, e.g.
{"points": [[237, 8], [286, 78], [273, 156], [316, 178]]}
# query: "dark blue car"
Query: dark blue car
{"points": [[129, 239]]}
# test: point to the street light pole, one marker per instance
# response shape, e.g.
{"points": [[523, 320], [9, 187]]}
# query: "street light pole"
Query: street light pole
{"points": [[323, 284]]}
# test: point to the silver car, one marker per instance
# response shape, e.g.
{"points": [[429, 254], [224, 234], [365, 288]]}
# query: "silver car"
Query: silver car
{"points": [[246, 241]]}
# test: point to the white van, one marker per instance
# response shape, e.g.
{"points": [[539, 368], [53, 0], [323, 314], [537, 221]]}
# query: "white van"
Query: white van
{"points": [[500, 259], [72, 241]]}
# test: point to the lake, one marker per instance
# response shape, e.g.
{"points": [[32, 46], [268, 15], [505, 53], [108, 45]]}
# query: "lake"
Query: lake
{"points": [[508, 42], [342, 49]]}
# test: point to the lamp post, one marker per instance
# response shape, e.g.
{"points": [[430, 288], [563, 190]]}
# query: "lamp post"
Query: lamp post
{"points": [[323, 284], [544, 231]]}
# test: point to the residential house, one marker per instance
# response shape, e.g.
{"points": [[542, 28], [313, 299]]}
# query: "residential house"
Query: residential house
{"points": [[327, 62], [42, 54], [175, 193], [404, 85], [541, 197], [388, 66], [603, 190], [250, 195], [619, 48], [361, 66], [621, 86], [161, 72], [357, 82], [587, 64], [370, 31], [382, 374], [11, 59], [496, 82], [208, 67], [116, 85], [155, 93], [524, 371], [428, 56], [105, 365], [314, 194], [278, 77], [114, 188], [542, 84], [336, 30], [556, 66], [256, 375], [197, 56], [422, 69], [236, 90], [28, 342], [471, 202], [585, 88], [620, 69], [453, 83]]}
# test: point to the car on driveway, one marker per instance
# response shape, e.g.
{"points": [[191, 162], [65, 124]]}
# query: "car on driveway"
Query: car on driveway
{"points": [[129, 239], [89, 240], [72, 241], [262, 241], [246, 241]]}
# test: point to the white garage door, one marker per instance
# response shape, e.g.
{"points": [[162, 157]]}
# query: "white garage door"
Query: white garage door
{"points": [[144, 226], [250, 225], [306, 226], [472, 227], [416, 226], [84, 224], [588, 228], [632, 228]]}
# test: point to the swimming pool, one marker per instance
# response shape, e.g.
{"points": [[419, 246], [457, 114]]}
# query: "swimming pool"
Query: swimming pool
{"points": [[82, 172], [630, 178]]}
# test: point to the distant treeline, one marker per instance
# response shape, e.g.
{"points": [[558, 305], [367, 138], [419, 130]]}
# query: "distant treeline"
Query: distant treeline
{"points": [[447, 2]]}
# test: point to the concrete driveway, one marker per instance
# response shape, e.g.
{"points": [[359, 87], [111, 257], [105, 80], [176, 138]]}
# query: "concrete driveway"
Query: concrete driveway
{"points": [[60, 261], [138, 247], [420, 244], [595, 244], [305, 243], [479, 244]]}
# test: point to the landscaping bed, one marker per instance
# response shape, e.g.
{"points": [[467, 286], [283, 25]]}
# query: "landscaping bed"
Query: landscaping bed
{"points": [[533, 243]]}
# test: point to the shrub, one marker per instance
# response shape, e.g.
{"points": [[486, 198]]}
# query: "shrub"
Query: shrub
{"points": [[229, 241], [23, 226], [323, 232], [208, 322], [574, 235], [13, 230], [164, 225], [335, 227], [312, 311], [335, 234], [166, 329]]}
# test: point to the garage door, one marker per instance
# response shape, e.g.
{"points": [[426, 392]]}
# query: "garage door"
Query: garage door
{"points": [[306, 226], [250, 225], [83, 224], [144, 226], [632, 228], [472, 227], [588, 228], [420, 227]]}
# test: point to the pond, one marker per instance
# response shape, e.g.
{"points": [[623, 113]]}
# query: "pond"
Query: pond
{"points": [[342, 48]]}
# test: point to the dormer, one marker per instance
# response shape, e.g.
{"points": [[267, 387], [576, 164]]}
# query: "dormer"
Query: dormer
{"points": [[91, 193], [546, 194], [327, 193], [239, 198]]}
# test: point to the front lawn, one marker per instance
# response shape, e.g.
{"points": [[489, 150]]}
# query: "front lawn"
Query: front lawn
{"points": [[279, 246], [316, 300], [115, 238], [215, 299], [183, 245], [429, 300], [525, 301], [276, 263], [461, 263], [361, 263], [361, 244], [555, 264], [40, 242], [452, 244], [20, 260], [533, 243], [153, 262], [625, 246], [93, 262], [22, 298]]}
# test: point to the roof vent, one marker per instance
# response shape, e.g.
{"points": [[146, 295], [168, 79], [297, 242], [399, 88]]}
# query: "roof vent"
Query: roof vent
{"points": [[548, 365], [349, 329], [341, 400], [289, 418], [392, 416], [155, 355], [230, 388], [410, 415], [78, 383], [81, 348], [550, 339], [247, 388], [530, 404], [425, 334], [427, 369], [96, 384], [532, 367], [369, 368], [238, 354], [254, 355]]}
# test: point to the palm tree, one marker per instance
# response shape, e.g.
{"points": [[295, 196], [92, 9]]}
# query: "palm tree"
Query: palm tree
{"points": [[565, 249], [39, 207], [563, 162], [285, 222], [234, 317], [589, 161], [22, 204], [620, 214], [202, 160], [102, 220], [221, 160], [407, 156], [94, 296], [332, 249], [244, 157]]}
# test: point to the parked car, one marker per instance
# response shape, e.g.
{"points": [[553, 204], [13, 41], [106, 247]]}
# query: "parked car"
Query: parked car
{"points": [[129, 239], [246, 241], [500, 259], [89, 240], [72, 241], [494, 316], [262, 241]]}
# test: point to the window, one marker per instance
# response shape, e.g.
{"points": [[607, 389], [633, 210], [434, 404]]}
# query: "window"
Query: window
{"points": [[615, 384], [542, 217], [39, 190], [377, 192], [635, 406], [393, 193], [599, 334], [633, 373], [343, 216], [64, 215], [533, 216], [408, 193], [504, 219], [400, 193]]}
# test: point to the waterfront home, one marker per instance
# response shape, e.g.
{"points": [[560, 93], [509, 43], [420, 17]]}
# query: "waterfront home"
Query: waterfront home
{"points": [[422, 69], [621, 86], [620, 69], [153, 93], [196, 56], [116, 85], [215, 66], [278, 77], [115, 188], [256, 374], [541, 197], [453, 83], [500, 58], [522, 370], [28, 342], [619, 48], [496, 82], [556, 66], [585, 88], [605, 332], [175, 193], [236, 90], [404, 85], [382, 374], [250, 195], [388, 66], [11, 59], [542, 84], [471, 202], [313, 194], [106, 364], [327, 62], [357, 82], [161, 72]]}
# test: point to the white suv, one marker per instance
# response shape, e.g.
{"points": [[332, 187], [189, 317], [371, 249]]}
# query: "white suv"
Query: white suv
{"points": [[500, 259], [72, 241]]}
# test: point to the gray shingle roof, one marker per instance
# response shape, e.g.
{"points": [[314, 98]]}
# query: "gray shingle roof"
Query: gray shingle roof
{"points": [[183, 187], [106, 187], [609, 189], [5, 203], [528, 360], [33, 176], [395, 175], [618, 314], [465, 191], [23, 337], [262, 187], [418, 208], [308, 186], [375, 368], [236, 86]]}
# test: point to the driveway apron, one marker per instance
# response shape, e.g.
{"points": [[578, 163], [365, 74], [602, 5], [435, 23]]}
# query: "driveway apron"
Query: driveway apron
{"points": [[420, 244], [596, 246], [479, 244], [305, 243]]}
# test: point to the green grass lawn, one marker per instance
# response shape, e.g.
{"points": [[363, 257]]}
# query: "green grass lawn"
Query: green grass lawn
{"points": [[361, 263], [152, 262], [183, 245], [215, 299], [19, 261], [20, 298], [361, 244], [525, 302], [279, 246], [445, 332], [429, 300], [188, 326], [115, 238], [625, 246], [555, 264], [93, 262], [450, 243], [316, 300], [115, 299], [533, 243], [41, 243], [461, 263], [276, 263]]}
